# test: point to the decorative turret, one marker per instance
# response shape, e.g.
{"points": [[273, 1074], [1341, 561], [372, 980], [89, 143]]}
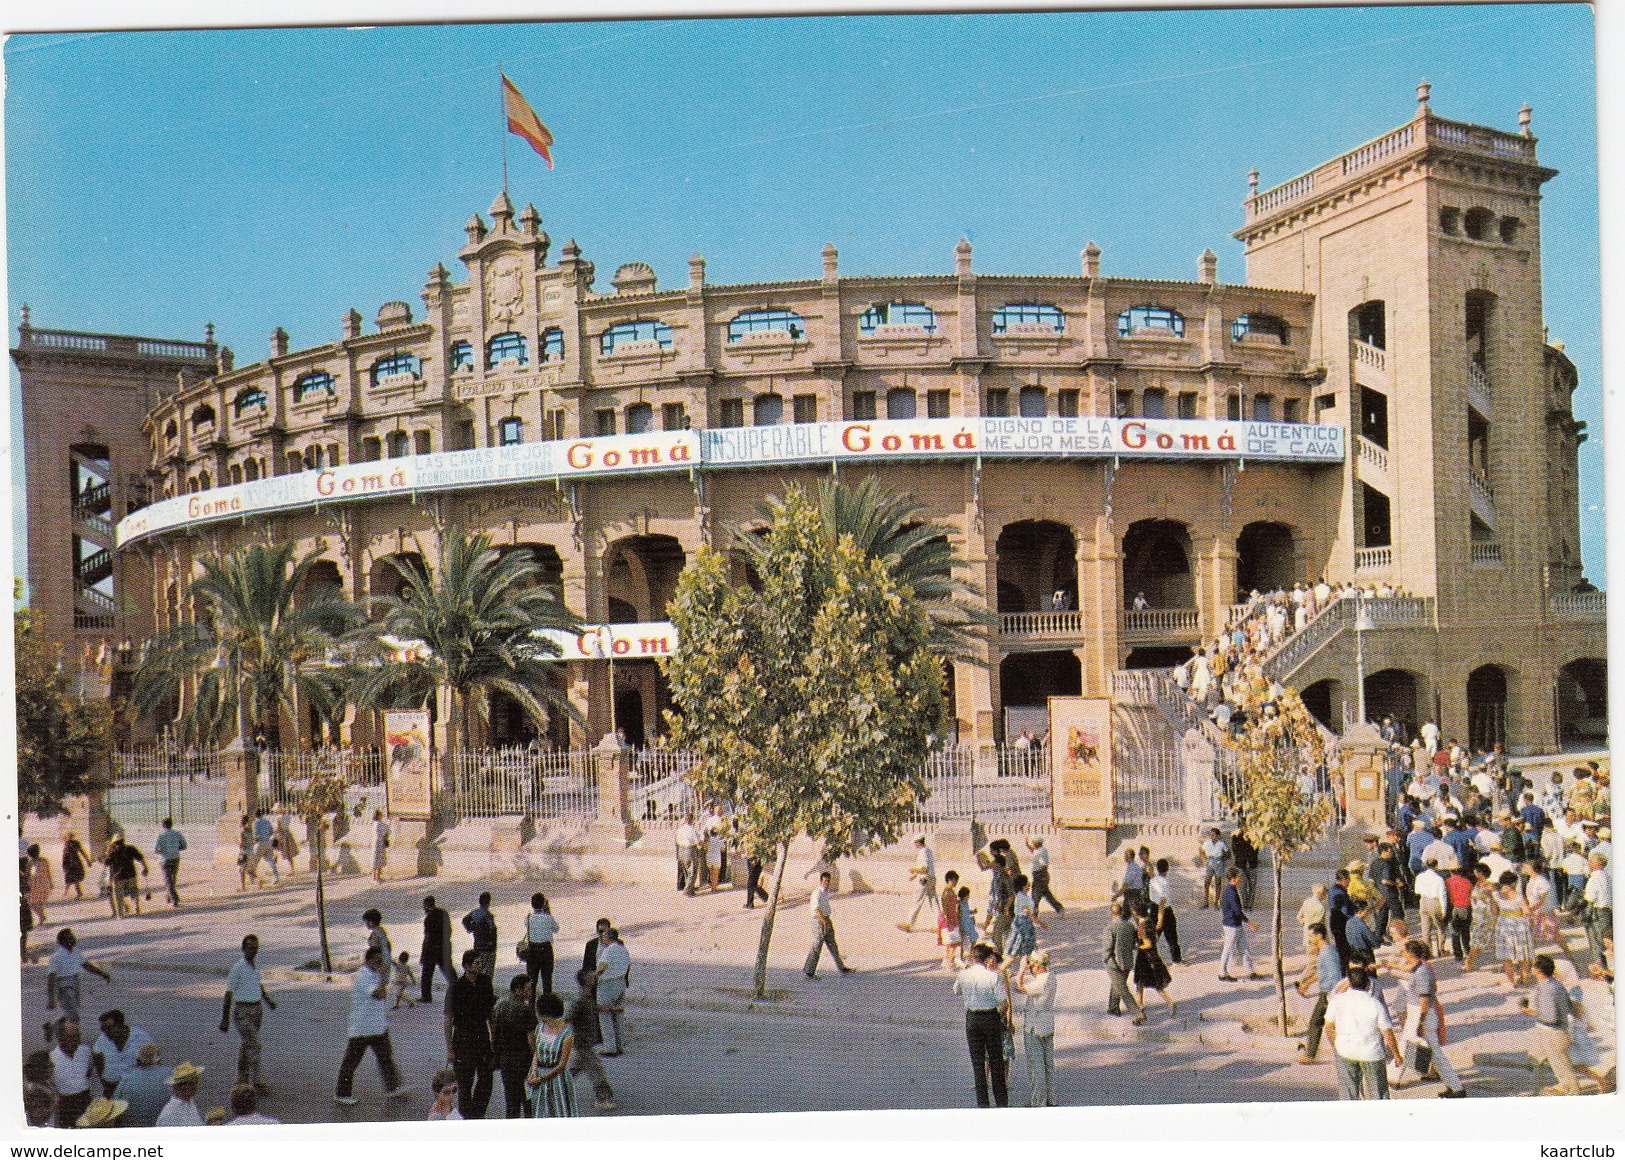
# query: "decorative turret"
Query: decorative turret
{"points": [[1091, 261], [1525, 116], [279, 342], [962, 253], [475, 229], [530, 220], [226, 360], [1423, 92], [501, 212], [831, 261], [352, 323], [696, 272], [1207, 268]]}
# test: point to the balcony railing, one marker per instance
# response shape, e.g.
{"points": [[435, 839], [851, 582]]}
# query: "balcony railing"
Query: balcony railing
{"points": [[1479, 481], [1374, 557], [1486, 552], [1160, 622], [1045, 624], [1371, 453], [1478, 382], [1578, 605]]}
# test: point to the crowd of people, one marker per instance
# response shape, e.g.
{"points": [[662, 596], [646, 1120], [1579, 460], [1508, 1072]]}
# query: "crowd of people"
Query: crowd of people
{"points": [[534, 1038]]}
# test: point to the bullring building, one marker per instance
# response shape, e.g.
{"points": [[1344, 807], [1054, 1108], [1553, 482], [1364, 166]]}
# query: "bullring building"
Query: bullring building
{"points": [[1120, 459]]}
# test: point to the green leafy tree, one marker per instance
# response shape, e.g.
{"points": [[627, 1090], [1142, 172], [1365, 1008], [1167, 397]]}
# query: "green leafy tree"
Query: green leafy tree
{"points": [[810, 700], [473, 629], [258, 648], [323, 797], [62, 740], [1279, 741]]}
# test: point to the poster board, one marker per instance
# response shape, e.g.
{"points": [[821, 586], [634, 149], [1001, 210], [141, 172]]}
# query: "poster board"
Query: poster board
{"points": [[406, 746], [1080, 730]]}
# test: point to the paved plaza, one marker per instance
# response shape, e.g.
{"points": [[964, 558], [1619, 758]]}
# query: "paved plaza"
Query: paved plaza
{"points": [[889, 1036]]}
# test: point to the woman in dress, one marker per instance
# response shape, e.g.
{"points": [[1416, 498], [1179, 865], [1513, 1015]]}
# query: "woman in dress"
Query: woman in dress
{"points": [[1023, 938], [40, 883], [1514, 941], [74, 860], [1149, 969], [540, 927], [552, 1095], [948, 934], [1485, 916]]}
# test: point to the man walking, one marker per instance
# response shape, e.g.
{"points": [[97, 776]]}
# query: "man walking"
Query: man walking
{"points": [[122, 859], [513, 1032], [482, 924], [469, 1003], [264, 848], [987, 1010], [1599, 907], [1119, 957], [1134, 882], [1214, 853], [369, 1028], [168, 847], [1327, 973], [823, 930], [1038, 866], [436, 951], [1234, 952], [1552, 1012], [690, 855], [1362, 1036], [244, 1007], [923, 873], [1423, 1016]]}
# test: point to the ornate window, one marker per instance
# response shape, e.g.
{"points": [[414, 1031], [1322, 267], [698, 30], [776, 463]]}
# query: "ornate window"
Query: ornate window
{"points": [[767, 322], [462, 356], [1263, 325], [1028, 317], [248, 399], [1151, 317], [316, 381], [504, 346], [395, 364], [552, 344], [202, 416], [510, 432], [623, 334], [898, 314]]}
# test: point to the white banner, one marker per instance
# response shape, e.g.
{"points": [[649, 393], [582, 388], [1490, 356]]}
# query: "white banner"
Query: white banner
{"points": [[875, 440], [601, 642]]}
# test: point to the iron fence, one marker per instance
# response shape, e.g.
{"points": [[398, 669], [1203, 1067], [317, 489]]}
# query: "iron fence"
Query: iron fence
{"points": [[486, 783], [151, 784], [285, 777]]}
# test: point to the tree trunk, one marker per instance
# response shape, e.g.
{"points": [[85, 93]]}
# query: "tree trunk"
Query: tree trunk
{"points": [[1276, 872], [767, 921], [321, 893]]}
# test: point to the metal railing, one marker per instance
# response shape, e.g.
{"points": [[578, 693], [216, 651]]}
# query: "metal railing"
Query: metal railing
{"points": [[498, 782], [285, 776], [153, 783], [957, 789]]}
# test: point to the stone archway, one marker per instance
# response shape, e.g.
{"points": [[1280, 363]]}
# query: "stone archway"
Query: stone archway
{"points": [[1036, 559], [1582, 704], [1157, 562], [1394, 693], [1266, 558], [1488, 689]]}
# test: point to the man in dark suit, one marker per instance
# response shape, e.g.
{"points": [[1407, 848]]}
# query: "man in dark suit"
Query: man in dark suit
{"points": [[589, 954], [1119, 955], [436, 950]]}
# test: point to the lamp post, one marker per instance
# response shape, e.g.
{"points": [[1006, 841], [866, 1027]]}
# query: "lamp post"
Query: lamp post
{"points": [[1362, 622]]}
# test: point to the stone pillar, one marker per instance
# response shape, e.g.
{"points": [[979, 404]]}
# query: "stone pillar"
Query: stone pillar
{"points": [[612, 829], [1216, 584], [1100, 598], [1363, 754], [241, 768]]}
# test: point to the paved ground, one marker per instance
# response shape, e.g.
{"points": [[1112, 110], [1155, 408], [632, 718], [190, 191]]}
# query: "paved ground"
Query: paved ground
{"points": [[887, 1037]]}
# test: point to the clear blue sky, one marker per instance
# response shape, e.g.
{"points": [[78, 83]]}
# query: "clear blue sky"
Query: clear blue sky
{"points": [[157, 181]]}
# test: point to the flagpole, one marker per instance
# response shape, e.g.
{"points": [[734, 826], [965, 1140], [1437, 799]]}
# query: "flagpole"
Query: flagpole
{"points": [[502, 98]]}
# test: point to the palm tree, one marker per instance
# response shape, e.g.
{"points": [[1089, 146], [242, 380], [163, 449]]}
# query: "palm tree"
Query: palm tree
{"points": [[474, 629], [258, 648], [892, 526]]}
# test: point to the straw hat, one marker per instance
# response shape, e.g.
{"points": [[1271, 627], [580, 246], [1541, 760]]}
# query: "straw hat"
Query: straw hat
{"points": [[1355, 867], [184, 1072], [102, 1112]]}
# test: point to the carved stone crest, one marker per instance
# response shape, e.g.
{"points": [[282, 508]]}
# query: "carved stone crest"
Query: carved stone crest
{"points": [[505, 290]]}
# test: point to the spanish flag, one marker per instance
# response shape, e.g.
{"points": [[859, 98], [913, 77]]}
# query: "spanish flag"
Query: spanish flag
{"points": [[522, 119]]}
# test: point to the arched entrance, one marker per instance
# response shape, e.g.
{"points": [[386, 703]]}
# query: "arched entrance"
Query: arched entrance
{"points": [[1158, 656], [642, 697], [640, 573], [1037, 559], [385, 578], [1392, 693], [1486, 707], [1582, 704], [1157, 563], [1266, 558], [1026, 683], [1324, 700]]}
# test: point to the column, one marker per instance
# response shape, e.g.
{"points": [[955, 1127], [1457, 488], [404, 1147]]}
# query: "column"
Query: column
{"points": [[1100, 598]]}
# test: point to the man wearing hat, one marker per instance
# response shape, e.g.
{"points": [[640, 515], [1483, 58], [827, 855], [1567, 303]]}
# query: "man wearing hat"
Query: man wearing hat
{"points": [[1599, 907], [182, 1111], [103, 1113], [144, 1089]]}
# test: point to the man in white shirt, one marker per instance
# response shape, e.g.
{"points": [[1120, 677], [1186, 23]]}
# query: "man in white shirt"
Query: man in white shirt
{"points": [[1424, 1018], [181, 1111], [823, 931], [1038, 866], [614, 967], [1433, 900], [1214, 853], [987, 1010], [690, 855], [923, 873], [1362, 1037], [117, 1049], [369, 1028], [1599, 907], [73, 1067], [244, 1007]]}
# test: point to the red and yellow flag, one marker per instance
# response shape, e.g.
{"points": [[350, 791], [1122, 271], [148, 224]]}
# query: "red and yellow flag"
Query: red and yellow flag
{"points": [[522, 119]]}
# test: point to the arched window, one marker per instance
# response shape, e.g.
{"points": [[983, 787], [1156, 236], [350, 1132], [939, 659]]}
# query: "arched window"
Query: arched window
{"points": [[640, 417], [1151, 317], [1028, 318], [552, 344], [901, 403], [785, 322], [251, 470], [1510, 227], [202, 416], [510, 432], [316, 382], [1032, 402], [249, 399], [898, 314], [623, 334], [395, 364], [1262, 325], [1368, 323], [462, 356], [235, 473], [769, 410], [505, 346], [170, 431]]}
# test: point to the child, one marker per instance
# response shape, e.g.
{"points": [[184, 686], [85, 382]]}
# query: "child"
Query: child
{"points": [[444, 1086], [404, 981], [967, 924]]}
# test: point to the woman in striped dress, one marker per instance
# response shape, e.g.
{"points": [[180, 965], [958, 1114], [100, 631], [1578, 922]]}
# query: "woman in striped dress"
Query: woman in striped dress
{"points": [[552, 1095]]}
